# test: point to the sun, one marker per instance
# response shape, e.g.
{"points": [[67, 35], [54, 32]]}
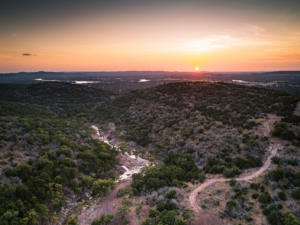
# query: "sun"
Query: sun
{"points": [[197, 68]]}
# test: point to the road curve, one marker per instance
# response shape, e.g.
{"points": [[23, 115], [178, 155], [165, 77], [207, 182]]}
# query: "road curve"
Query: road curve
{"points": [[273, 148], [193, 195]]}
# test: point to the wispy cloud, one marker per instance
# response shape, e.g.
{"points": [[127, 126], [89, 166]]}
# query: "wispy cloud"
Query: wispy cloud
{"points": [[15, 35], [27, 54], [211, 43], [254, 29]]}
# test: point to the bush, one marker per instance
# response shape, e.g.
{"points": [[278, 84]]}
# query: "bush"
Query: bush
{"points": [[254, 196], [171, 194], [296, 194], [277, 174], [232, 183], [123, 191], [282, 196], [264, 198], [255, 186], [248, 218], [289, 219], [231, 204], [231, 172]]}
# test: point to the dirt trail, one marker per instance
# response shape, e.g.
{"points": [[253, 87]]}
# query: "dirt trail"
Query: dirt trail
{"points": [[108, 203], [208, 219], [105, 205]]}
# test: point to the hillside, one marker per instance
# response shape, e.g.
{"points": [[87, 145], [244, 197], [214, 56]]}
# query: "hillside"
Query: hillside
{"points": [[216, 153], [49, 93]]}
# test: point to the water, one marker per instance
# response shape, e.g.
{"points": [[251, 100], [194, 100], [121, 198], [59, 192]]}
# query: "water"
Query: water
{"points": [[125, 168], [76, 81], [128, 172]]}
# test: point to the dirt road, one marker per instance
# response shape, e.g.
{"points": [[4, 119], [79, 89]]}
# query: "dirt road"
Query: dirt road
{"points": [[211, 219], [105, 205]]}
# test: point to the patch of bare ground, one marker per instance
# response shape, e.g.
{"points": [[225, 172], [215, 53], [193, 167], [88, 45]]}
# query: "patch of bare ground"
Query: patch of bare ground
{"points": [[104, 205]]}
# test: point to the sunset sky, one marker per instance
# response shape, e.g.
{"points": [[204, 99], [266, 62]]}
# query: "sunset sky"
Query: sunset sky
{"points": [[170, 35]]}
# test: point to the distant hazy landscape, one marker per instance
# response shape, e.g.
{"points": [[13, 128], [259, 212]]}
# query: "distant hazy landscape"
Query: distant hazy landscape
{"points": [[123, 82]]}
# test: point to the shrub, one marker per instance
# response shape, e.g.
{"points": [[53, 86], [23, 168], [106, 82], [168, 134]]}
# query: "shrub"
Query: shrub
{"points": [[289, 219], [255, 186], [232, 182], [277, 174], [231, 204], [171, 194], [254, 196], [282, 196], [296, 194], [264, 198], [248, 218], [231, 172], [123, 191]]}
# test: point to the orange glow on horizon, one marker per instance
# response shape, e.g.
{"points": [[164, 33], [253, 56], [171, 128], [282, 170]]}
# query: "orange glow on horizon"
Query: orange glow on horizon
{"points": [[156, 39]]}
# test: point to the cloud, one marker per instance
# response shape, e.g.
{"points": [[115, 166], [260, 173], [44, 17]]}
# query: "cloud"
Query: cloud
{"points": [[210, 43], [256, 30], [15, 35], [27, 54]]}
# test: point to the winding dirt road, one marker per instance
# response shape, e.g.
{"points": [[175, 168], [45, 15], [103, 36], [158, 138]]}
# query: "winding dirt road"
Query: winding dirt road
{"points": [[208, 219], [108, 204]]}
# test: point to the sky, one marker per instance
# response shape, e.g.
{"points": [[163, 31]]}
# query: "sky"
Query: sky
{"points": [[170, 35]]}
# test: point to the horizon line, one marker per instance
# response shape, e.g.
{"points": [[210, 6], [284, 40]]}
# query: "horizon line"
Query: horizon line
{"points": [[165, 71]]}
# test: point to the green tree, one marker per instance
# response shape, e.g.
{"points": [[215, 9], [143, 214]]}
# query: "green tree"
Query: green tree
{"points": [[296, 194], [122, 210], [73, 220], [171, 194], [153, 214], [123, 191], [169, 217], [264, 198], [126, 202], [103, 220], [124, 147], [148, 221], [32, 217], [102, 186], [126, 221], [186, 215], [43, 210], [289, 219], [282, 196], [152, 160], [180, 222]]}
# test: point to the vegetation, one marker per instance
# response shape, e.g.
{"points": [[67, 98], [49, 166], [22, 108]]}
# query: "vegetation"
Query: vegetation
{"points": [[47, 153], [176, 168]]}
